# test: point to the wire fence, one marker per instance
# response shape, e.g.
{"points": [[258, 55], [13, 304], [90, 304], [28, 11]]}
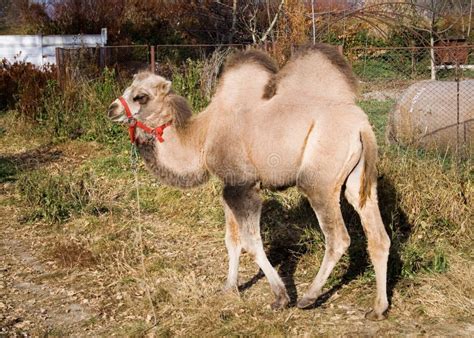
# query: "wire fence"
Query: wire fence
{"points": [[434, 93], [74, 64], [435, 114], [412, 63], [90, 62], [369, 63]]}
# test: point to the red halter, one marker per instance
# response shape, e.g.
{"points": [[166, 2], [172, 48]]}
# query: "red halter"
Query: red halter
{"points": [[134, 124]]}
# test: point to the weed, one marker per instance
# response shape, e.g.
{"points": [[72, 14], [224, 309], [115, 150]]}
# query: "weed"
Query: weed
{"points": [[439, 262], [191, 207], [113, 166], [187, 82], [22, 85], [55, 198], [79, 110], [419, 258], [7, 170], [373, 69]]}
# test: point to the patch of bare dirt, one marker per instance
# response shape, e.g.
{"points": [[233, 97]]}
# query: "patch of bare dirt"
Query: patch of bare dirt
{"points": [[32, 297]]}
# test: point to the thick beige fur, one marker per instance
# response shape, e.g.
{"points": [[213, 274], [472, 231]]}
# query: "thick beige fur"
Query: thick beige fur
{"points": [[267, 128]]}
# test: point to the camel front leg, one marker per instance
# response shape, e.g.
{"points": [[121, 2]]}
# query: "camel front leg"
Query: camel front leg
{"points": [[234, 248], [245, 205]]}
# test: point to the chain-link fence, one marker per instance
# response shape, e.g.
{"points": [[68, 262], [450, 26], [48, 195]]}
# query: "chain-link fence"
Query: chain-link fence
{"points": [[74, 64], [412, 63], [429, 114], [435, 115], [432, 114]]}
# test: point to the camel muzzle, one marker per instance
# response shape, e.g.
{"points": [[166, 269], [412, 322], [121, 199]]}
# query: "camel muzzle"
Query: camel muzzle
{"points": [[133, 123], [112, 111]]}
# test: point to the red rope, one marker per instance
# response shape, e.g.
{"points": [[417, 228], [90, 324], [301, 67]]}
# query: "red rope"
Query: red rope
{"points": [[134, 124]]}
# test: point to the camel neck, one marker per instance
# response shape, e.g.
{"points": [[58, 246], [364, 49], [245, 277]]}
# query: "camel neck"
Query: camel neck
{"points": [[194, 133], [179, 160]]}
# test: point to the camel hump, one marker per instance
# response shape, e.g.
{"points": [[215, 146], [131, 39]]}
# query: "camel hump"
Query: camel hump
{"points": [[334, 56], [250, 56], [369, 173]]}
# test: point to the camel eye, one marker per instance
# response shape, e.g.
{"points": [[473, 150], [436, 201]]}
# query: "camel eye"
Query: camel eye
{"points": [[141, 98]]}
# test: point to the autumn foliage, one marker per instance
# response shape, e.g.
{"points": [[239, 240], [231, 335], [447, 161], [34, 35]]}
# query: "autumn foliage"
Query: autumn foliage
{"points": [[22, 86]]}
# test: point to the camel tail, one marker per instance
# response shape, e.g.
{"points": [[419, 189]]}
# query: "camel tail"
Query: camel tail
{"points": [[369, 171]]}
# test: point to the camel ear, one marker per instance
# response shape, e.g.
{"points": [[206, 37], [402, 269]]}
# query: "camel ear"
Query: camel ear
{"points": [[164, 87]]}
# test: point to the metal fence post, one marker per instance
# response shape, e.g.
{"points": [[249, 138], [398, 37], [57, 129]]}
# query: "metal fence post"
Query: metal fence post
{"points": [[457, 108], [152, 59], [58, 66], [102, 57]]}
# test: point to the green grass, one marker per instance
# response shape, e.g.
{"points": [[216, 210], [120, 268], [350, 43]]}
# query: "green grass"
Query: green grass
{"points": [[378, 115], [113, 166], [192, 208], [78, 111], [188, 84], [373, 69], [55, 198]]}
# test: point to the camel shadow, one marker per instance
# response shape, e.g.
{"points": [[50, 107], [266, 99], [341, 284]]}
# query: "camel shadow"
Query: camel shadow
{"points": [[12, 165], [287, 241]]}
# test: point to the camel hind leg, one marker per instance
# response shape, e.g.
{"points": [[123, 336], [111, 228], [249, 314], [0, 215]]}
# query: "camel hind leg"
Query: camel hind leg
{"points": [[377, 238], [326, 207], [321, 181]]}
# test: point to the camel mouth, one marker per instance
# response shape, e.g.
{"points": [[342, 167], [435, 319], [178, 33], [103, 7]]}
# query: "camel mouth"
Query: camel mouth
{"points": [[115, 115], [119, 119]]}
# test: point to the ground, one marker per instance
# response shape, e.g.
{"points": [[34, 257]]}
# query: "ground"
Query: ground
{"points": [[106, 269]]}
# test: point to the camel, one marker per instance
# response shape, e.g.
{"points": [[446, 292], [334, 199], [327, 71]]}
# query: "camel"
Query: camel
{"points": [[265, 128]]}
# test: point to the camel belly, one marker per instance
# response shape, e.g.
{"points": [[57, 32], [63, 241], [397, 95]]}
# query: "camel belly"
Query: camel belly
{"points": [[276, 171], [276, 145], [276, 161]]}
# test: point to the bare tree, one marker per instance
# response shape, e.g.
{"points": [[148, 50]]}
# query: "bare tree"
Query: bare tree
{"points": [[250, 21], [470, 19], [234, 20]]}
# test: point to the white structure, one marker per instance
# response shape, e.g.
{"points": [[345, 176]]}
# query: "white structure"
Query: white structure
{"points": [[41, 50]]}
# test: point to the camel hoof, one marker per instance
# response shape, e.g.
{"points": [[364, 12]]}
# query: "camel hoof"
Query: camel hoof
{"points": [[374, 316], [281, 302], [230, 289], [305, 303]]}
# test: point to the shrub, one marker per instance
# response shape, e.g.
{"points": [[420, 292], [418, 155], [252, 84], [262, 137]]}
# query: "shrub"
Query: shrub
{"points": [[22, 85], [187, 82], [79, 109]]}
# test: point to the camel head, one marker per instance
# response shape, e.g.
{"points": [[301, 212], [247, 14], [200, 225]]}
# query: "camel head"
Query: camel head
{"points": [[151, 101]]}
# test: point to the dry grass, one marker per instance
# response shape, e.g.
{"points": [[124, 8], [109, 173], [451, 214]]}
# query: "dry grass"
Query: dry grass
{"points": [[98, 254], [71, 255]]}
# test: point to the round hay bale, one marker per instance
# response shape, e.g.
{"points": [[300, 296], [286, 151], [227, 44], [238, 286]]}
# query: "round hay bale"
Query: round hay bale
{"points": [[426, 115]]}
